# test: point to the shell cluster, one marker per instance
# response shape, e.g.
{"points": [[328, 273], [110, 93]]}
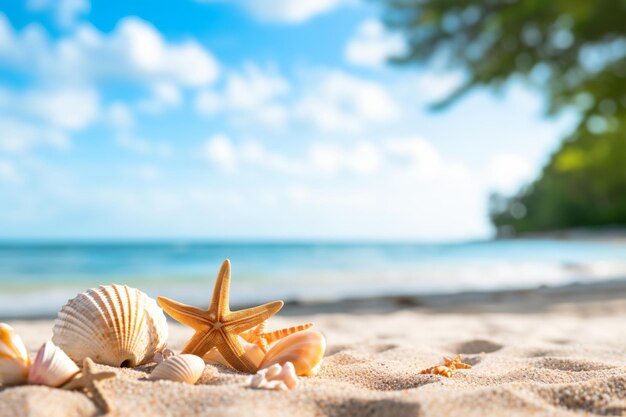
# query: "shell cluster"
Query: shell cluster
{"points": [[304, 349], [114, 325], [276, 377], [51, 367], [184, 368], [120, 326]]}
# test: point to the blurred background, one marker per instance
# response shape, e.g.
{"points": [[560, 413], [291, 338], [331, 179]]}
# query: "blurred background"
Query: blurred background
{"points": [[330, 149]]}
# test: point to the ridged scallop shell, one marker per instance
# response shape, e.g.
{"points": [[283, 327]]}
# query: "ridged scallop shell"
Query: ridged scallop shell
{"points": [[113, 325], [14, 359], [51, 367], [278, 377], [185, 368], [304, 349]]}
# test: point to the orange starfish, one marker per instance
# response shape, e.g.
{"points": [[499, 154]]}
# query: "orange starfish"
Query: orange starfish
{"points": [[455, 363], [218, 326], [448, 367]]}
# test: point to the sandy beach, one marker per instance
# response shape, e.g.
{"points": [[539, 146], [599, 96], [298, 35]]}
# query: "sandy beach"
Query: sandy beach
{"points": [[549, 352]]}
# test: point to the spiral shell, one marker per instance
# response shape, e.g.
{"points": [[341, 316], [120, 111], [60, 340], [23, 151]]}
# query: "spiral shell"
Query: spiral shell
{"points": [[114, 325], [185, 368], [304, 349], [14, 359], [52, 367]]}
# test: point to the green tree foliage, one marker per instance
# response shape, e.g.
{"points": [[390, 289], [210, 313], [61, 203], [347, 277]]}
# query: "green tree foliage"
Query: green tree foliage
{"points": [[572, 50]]}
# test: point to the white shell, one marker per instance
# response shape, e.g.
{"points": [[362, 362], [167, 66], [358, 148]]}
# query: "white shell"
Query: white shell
{"points": [[52, 367], [180, 368], [277, 377], [165, 354], [113, 325], [14, 359]]}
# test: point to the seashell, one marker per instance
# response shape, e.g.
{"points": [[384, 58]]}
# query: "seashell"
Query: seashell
{"points": [[163, 355], [52, 367], [304, 349], [271, 337], [185, 368], [14, 359], [277, 377], [114, 325]]}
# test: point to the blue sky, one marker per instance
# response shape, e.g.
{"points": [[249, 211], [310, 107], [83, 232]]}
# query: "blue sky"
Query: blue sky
{"points": [[270, 119]]}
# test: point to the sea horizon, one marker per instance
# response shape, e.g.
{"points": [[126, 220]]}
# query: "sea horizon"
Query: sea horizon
{"points": [[38, 277]]}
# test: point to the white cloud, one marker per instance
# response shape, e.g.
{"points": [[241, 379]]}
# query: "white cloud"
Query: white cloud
{"points": [[339, 102], [20, 136], [144, 146], [253, 93], [164, 96], [437, 86], [66, 108], [134, 51], [372, 45], [120, 116], [220, 151], [72, 109], [66, 12], [507, 172], [423, 162], [363, 158], [285, 11], [254, 153]]}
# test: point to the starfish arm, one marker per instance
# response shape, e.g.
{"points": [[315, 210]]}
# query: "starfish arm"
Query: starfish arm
{"points": [[103, 375], [201, 343], [99, 398], [76, 383], [191, 316], [242, 320], [220, 300], [230, 348]]}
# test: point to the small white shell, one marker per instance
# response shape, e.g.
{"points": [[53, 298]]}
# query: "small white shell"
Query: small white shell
{"points": [[113, 325], [275, 377], [304, 349], [52, 367], [165, 354], [180, 368], [14, 359]]}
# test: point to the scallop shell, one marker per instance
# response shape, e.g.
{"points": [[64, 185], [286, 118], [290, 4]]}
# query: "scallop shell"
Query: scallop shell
{"points": [[304, 349], [114, 325], [278, 377], [52, 367], [185, 368], [14, 359]]}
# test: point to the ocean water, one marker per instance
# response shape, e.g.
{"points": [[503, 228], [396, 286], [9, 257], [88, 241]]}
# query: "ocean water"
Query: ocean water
{"points": [[37, 278]]}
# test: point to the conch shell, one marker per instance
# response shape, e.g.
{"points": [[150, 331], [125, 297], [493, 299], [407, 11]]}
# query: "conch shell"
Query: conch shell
{"points": [[52, 367], [185, 368], [278, 377], [14, 359], [305, 350], [114, 325]]}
